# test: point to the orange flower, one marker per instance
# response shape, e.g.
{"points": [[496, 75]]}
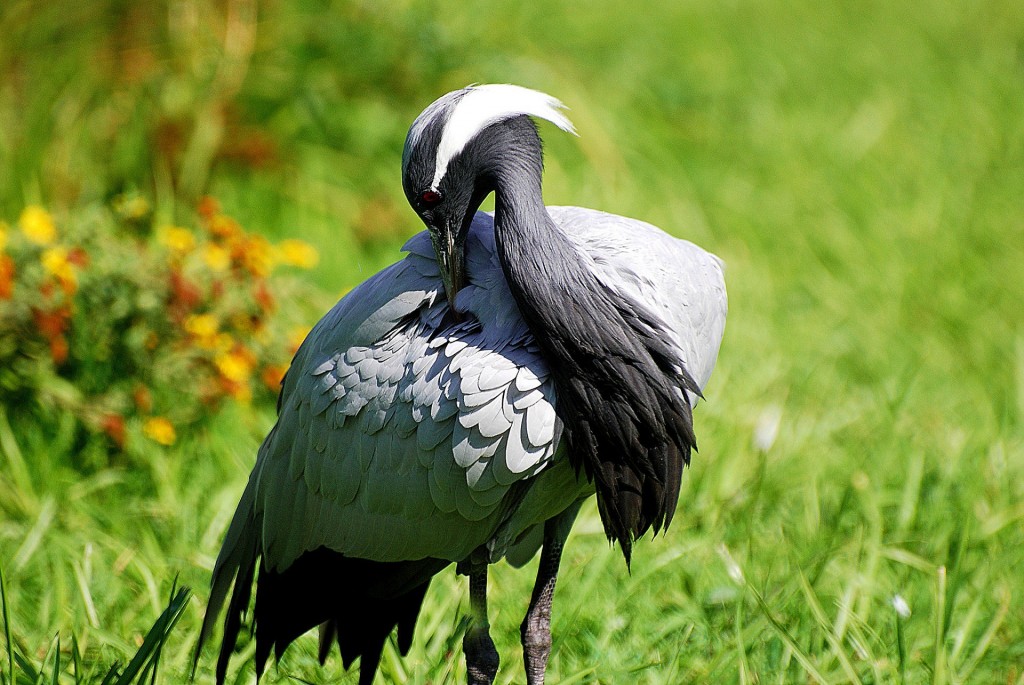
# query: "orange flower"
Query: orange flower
{"points": [[37, 225], [113, 426], [238, 390], [7, 272], [184, 292], [143, 398], [264, 298], [51, 324], [273, 375], [78, 257], [208, 207], [254, 253], [224, 228], [59, 349], [159, 429]]}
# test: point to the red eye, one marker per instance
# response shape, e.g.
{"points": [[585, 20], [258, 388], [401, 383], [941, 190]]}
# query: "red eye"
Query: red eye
{"points": [[430, 197]]}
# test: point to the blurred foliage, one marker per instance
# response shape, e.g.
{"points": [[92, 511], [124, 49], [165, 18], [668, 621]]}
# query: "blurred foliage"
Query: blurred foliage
{"points": [[164, 95], [112, 327]]}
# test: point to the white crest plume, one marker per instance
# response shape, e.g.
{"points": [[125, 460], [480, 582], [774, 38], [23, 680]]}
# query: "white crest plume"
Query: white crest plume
{"points": [[488, 104]]}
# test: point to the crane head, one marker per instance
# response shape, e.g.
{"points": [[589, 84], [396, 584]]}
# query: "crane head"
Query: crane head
{"points": [[453, 159]]}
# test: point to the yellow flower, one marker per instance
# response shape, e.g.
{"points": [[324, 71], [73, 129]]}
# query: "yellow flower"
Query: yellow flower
{"points": [[203, 328], [216, 257], [234, 366], [55, 262], [37, 225], [160, 430], [177, 239], [201, 325], [297, 253], [3, 235]]}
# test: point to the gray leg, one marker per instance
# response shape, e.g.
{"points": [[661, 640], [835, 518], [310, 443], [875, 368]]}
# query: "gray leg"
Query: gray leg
{"points": [[481, 656], [536, 626]]}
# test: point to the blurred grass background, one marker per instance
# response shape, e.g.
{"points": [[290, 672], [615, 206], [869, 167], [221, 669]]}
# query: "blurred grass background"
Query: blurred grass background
{"points": [[860, 168]]}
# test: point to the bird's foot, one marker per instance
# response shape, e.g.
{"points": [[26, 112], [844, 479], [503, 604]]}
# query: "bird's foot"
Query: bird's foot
{"points": [[481, 656]]}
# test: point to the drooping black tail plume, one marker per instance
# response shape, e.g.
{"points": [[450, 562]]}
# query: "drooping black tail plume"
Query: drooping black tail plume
{"points": [[621, 388], [356, 602], [621, 393], [628, 424]]}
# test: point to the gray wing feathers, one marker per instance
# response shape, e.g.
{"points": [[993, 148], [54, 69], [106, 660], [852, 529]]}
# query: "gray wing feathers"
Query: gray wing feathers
{"points": [[392, 435], [681, 283]]}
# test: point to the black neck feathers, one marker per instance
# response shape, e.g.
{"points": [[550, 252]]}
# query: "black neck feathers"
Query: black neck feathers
{"points": [[620, 389]]}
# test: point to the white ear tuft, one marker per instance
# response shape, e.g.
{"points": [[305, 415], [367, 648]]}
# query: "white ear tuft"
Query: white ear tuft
{"points": [[484, 105]]}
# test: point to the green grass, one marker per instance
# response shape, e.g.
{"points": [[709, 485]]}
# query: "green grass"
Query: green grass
{"points": [[858, 166]]}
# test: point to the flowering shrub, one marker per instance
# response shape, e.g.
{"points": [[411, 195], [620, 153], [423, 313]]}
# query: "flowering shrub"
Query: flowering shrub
{"points": [[131, 331]]}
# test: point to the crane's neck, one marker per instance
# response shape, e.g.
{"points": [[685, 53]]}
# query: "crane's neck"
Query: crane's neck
{"points": [[535, 253], [619, 387]]}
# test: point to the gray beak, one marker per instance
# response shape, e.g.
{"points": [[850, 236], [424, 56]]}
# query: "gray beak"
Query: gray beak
{"points": [[451, 258]]}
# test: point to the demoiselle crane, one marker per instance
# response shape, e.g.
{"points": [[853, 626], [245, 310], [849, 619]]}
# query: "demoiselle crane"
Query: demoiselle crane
{"points": [[461, 404]]}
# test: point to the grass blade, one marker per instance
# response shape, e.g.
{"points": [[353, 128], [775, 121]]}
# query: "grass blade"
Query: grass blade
{"points": [[741, 649], [7, 626], [737, 575], [986, 639], [787, 638], [55, 676], [939, 673], [76, 659], [111, 677], [828, 628], [147, 655], [26, 667], [901, 649]]}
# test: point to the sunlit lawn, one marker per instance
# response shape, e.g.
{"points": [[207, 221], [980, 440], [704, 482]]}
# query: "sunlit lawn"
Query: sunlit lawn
{"points": [[858, 166]]}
